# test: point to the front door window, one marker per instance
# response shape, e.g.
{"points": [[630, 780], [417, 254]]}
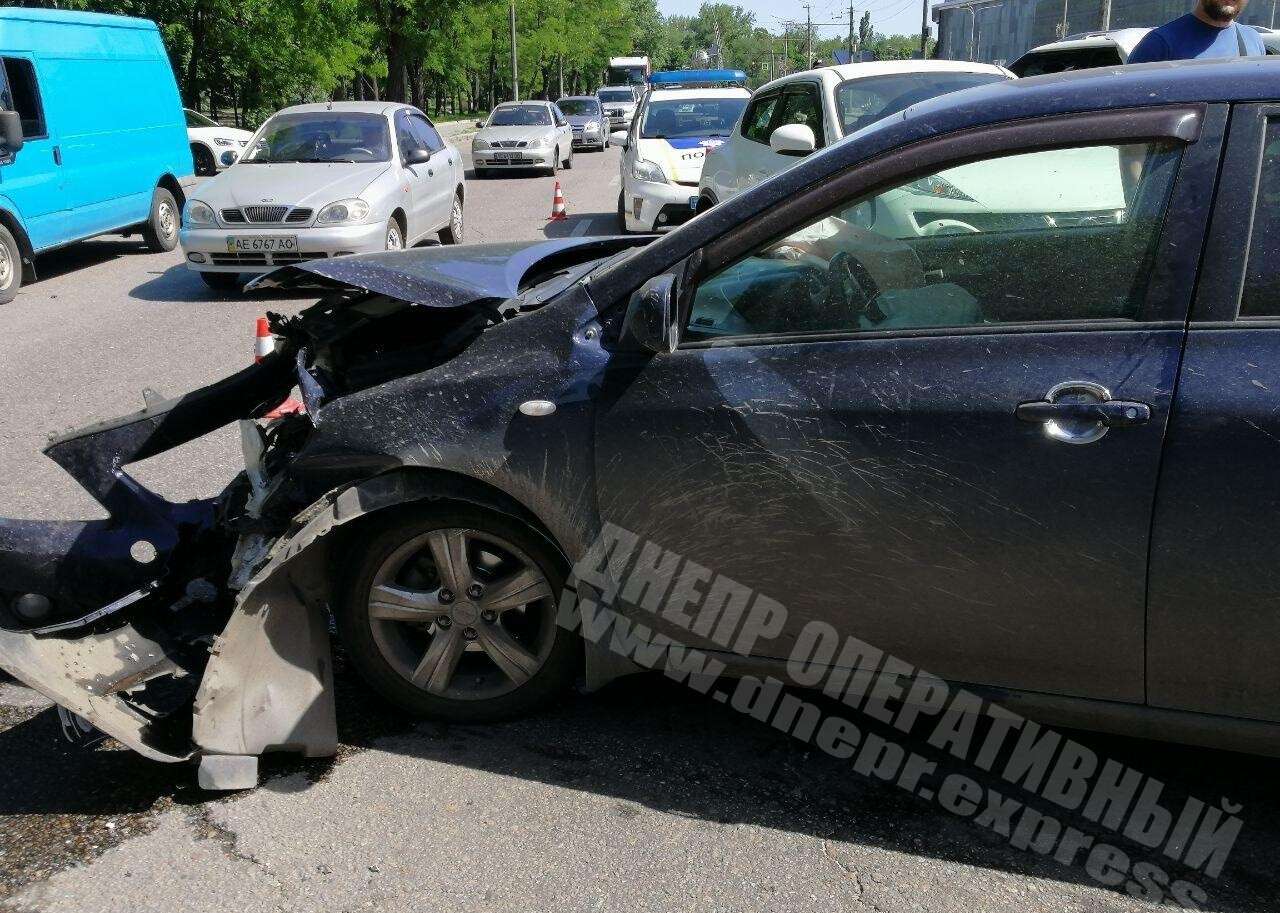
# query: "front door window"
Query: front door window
{"points": [[1054, 235]]}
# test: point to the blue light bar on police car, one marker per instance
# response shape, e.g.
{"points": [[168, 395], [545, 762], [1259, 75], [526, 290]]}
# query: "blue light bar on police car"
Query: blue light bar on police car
{"points": [[669, 79]]}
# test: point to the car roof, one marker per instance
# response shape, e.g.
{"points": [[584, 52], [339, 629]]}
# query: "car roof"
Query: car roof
{"points": [[527, 101], [1133, 86], [577, 98], [1125, 38], [720, 92], [847, 71], [347, 107]]}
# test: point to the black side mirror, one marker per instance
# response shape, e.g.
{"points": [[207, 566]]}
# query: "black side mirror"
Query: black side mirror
{"points": [[650, 324], [11, 131], [418, 157]]}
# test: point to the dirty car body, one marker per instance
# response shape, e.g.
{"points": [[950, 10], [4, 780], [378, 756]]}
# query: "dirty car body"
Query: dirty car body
{"points": [[1036, 502]]}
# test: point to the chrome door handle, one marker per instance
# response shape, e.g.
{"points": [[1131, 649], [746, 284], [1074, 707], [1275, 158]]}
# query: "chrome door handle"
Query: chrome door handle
{"points": [[1080, 412]]}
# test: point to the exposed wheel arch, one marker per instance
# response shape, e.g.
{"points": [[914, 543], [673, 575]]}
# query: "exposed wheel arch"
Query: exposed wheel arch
{"points": [[171, 184]]}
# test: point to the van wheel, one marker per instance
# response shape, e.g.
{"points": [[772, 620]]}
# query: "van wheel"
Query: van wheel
{"points": [[222, 282], [10, 267], [160, 233], [203, 158]]}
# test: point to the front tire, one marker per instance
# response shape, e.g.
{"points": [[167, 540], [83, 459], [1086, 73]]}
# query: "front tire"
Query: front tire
{"points": [[10, 266], [221, 282], [160, 233], [568, 162], [395, 235], [622, 215], [451, 613], [452, 234]]}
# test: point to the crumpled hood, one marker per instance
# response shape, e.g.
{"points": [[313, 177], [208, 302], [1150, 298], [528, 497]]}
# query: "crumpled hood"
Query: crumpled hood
{"points": [[445, 276], [289, 183]]}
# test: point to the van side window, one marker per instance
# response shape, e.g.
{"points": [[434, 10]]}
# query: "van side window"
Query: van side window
{"points": [[25, 96]]}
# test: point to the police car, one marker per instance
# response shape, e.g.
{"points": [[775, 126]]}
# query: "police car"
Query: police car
{"points": [[670, 136]]}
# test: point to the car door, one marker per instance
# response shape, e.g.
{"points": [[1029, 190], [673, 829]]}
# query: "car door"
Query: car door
{"points": [[441, 173], [917, 460], [418, 178], [33, 179], [1215, 563], [564, 133]]}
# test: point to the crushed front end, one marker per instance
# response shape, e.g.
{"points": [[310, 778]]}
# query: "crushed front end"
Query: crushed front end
{"points": [[200, 630]]}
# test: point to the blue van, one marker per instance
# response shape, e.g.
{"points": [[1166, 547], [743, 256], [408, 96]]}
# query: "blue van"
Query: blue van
{"points": [[92, 135]]}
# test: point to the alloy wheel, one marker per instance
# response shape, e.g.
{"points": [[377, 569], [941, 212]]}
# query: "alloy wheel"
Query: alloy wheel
{"points": [[462, 614], [455, 220]]}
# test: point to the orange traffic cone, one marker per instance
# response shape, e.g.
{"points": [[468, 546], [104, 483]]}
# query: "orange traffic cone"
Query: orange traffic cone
{"points": [[263, 342], [557, 206]]}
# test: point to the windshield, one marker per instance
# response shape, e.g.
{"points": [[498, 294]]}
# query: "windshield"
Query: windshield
{"points": [[691, 117], [520, 116], [864, 101], [321, 136], [196, 119], [614, 96], [579, 107], [1061, 61]]}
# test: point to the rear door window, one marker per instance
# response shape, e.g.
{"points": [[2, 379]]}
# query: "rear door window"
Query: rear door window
{"points": [[24, 96], [1261, 296]]}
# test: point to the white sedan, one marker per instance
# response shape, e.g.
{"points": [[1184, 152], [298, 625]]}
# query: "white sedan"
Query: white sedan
{"points": [[523, 134], [325, 180], [791, 116], [213, 146]]}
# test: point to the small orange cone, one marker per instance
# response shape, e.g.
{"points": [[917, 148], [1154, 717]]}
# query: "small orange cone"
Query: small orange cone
{"points": [[557, 206], [263, 342]]}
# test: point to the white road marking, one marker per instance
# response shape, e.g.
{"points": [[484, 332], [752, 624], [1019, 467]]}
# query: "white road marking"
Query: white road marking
{"points": [[613, 182], [580, 229]]}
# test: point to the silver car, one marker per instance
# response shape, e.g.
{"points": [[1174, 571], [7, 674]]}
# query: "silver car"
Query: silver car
{"points": [[325, 180], [619, 104], [523, 134], [586, 118]]}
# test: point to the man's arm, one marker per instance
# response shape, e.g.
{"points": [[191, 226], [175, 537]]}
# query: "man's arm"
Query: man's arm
{"points": [[1150, 49]]}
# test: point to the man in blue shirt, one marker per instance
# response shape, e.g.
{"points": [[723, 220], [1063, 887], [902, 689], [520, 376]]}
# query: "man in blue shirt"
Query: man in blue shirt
{"points": [[1210, 30]]}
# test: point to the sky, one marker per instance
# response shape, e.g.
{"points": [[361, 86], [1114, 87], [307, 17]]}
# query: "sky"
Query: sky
{"points": [[831, 17]]}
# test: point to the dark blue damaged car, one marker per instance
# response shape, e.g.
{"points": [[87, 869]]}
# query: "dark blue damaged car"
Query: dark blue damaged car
{"points": [[993, 385]]}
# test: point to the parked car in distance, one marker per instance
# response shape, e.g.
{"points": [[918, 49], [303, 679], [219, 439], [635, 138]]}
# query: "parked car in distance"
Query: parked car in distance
{"points": [[92, 136], [784, 382], [619, 103], [792, 116], [523, 134], [213, 146], [1082, 51], [587, 120], [663, 153], [326, 180]]}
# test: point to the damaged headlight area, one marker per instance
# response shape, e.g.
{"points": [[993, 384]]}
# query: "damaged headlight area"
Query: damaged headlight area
{"points": [[200, 629]]}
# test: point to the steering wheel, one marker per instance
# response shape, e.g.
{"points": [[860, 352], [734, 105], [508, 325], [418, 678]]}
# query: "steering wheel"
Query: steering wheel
{"points": [[849, 284], [360, 149]]}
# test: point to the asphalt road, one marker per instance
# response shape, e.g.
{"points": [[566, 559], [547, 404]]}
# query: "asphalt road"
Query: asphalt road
{"points": [[641, 797]]}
